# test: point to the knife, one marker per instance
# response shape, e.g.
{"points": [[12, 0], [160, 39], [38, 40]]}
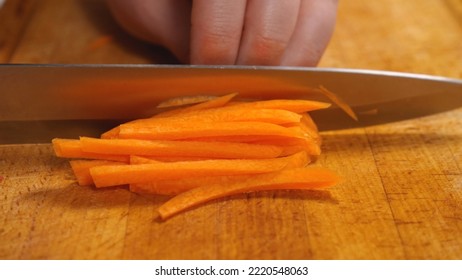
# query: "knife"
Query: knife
{"points": [[41, 101]]}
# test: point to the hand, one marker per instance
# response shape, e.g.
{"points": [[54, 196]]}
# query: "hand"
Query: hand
{"points": [[249, 32]]}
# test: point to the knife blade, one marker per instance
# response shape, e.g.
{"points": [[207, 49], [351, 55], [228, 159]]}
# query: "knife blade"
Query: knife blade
{"points": [[39, 102]]}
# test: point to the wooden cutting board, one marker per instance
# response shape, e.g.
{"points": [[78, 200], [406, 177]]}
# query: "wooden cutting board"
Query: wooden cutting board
{"points": [[401, 197]]}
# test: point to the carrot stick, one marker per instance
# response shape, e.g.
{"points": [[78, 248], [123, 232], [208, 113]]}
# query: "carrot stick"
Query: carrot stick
{"points": [[72, 148], [137, 159], [308, 122], [185, 100], [213, 103], [298, 159], [105, 176], [299, 178], [141, 160], [273, 116], [81, 169], [339, 102], [243, 139], [228, 114], [173, 187], [241, 111], [198, 130], [309, 127], [111, 134], [293, 105], [158, 148]]}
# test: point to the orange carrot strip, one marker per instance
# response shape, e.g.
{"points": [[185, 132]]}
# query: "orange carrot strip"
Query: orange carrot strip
{"points": [[227, 114], [81, 169], [309, 122], [185, 100], [299, 178], [137, 159], [72, 148], [164, 148], [309, 127], [213, 103], [293, 105], [141, 160], [111, 134], [293, 145], [298, 159], [197, 130], [253, 139], [339, 102], [105, 176], [237, 111], [173, 187]]}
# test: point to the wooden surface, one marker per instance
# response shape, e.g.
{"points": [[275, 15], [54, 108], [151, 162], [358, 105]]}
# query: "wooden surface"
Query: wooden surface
{"points": [[402, 193]]}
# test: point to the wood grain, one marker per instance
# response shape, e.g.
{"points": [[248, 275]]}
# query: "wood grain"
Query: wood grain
{"points": [[409, 36], [401, 197]]}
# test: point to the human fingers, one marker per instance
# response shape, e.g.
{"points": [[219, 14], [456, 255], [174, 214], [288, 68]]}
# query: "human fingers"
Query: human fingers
{"points": [[216, 27], [312, 33], [162, 22], [269, 24]]}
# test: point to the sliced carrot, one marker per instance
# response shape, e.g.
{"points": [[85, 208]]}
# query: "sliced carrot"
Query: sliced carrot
{"points": [[173, 187], [243, 139], [299, 178], [213, 148], [72, 148], [201, 130], [293, 105], [309, 127], [141, 160], [309, 122], [164, 159], [339, 102], [111, 134], [223, 150], [105, 176], [298, 159], [274, 116], [240, 111], [185, 100], [291, 146], [210, 103], [213, 103], [227, 114], [81, 169]]}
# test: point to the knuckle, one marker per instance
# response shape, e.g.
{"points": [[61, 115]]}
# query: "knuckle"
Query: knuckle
{"points": [[216, 48], [265, 50]]}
